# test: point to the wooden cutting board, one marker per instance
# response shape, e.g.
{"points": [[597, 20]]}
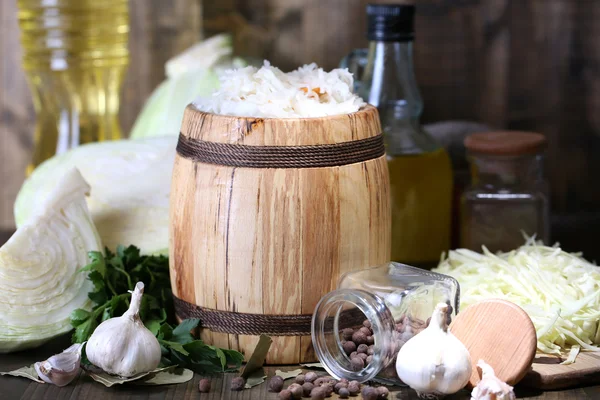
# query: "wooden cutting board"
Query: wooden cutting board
{"points": [[547, 373]]}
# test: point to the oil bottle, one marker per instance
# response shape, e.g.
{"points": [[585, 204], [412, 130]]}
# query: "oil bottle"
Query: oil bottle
{"points": [[75, 53], [420, 169]]}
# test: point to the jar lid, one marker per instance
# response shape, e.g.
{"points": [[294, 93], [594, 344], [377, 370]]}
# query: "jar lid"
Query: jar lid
{"points": [[501, 334], [508, 143]]}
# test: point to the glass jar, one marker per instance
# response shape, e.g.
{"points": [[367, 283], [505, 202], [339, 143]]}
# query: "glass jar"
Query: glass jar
{"points": [[508, 197], [381, 308]]}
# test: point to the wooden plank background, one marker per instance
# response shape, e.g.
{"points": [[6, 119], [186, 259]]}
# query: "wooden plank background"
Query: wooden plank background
{"points": [[520, 64]]}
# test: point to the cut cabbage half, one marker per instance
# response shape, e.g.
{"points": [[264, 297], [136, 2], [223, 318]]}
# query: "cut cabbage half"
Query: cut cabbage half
{"points": [[39, 283], [131, 181]]}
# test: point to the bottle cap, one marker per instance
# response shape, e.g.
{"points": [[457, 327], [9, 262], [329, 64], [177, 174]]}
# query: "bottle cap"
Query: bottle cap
{"points": [[501, 334], [507, 143], [390, 22]]}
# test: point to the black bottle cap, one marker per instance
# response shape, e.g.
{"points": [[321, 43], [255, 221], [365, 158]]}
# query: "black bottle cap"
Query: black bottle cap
{"points": [[390, 22]]}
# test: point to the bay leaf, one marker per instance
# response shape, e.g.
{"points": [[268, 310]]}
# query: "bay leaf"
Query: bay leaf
{"points": [[171, 376], [313, 365], [288, 374], [257, 377], [109, 380], [257, 359], [25, 372]]}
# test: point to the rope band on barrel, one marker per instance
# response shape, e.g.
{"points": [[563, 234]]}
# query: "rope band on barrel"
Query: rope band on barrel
{"points": [[257, 324], [314, 156]]}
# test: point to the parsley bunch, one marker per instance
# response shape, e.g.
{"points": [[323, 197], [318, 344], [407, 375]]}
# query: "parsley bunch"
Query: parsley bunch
{"points": [[113, 276]]}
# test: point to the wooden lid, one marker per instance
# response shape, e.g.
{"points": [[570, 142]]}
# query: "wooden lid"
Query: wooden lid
{"points": [[501, 334], [505, 142]]}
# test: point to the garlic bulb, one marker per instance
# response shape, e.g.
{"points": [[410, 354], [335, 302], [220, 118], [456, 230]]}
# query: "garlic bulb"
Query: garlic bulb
{"points": [[62, 368], [434, 362], [490, 387], [123, 345]]}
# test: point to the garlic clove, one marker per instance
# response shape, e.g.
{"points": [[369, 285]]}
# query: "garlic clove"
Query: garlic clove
{"points": [[62, 368], [490, 387]]}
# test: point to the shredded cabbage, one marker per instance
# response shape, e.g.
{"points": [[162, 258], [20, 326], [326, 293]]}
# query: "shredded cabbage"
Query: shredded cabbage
{"points": [[39, 283], [270, 93], [131, 181], [560, 291]]}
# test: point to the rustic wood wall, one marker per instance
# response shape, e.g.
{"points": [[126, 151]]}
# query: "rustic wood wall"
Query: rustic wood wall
{"points": [[521, 64]]}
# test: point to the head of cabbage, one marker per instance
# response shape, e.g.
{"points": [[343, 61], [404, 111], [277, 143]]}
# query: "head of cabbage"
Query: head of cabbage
{"points": [[131, 181]]}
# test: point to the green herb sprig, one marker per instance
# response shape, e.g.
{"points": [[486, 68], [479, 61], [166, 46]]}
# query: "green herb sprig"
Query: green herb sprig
{"points": [[113, 276]]}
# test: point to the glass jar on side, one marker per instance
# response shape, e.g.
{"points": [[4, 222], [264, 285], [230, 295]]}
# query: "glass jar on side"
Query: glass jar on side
{"points": [[358, 329], [508, 197]]}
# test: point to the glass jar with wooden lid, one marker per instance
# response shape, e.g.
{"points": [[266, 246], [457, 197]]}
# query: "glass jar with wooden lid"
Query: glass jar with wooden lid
{"points": [[508, 197]]}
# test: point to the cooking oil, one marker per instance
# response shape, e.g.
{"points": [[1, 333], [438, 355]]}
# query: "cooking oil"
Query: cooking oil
{"points": [[421, 190], [75, 54]]}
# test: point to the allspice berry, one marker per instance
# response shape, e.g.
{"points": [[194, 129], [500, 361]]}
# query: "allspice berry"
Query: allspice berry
{"points": [[370, 340], [204, 385], [369, 393], [366, 323], [369, 360], [383, 392], [319, 381], [356, 364], [358, 338], [371, 350], [328, 389], [363, 348], [296, 390], [307, 387], [349, 347], [310, 377], [238, 384], [347, 333], [276, 384], [366, 331], [344, 393], [285, 395], [318, 393], [339, 386], [353, 388], [300, 379]]}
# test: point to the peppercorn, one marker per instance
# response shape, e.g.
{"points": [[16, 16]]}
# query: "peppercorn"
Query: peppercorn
{"points": [[339, 386], [383, 392], [300, 379], [369, 393], [349, 347], [344, 393], [358, 338], [363, 348], [310, 377], [371, 350], [307, 387], [318, 393], [296, 390], [328, 389], [370, 340], [366, 331], [285, 395], [276, 384], [356, 364], [204, 385], [238, 384], [353, 388], [347, 333], [367, 324]]}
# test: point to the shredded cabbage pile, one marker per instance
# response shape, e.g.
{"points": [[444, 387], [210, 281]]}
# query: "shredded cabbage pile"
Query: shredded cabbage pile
{"points": [[560, 291], [268, 92]]}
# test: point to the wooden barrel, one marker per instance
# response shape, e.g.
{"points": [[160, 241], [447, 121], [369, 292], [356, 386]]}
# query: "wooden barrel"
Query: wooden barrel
{"points": [[266, 214]]}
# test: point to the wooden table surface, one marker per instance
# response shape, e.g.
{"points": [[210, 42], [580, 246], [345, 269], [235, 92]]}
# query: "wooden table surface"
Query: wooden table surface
{"points": [[85, 388]]}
